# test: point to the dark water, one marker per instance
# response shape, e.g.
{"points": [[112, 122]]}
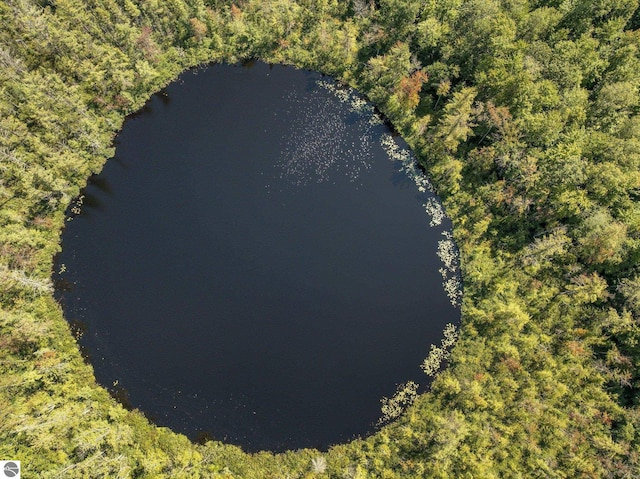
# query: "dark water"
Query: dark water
{"points": [[252, 266]]}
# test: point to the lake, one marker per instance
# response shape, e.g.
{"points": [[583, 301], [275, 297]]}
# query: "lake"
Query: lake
{"points": [[253, 266]]}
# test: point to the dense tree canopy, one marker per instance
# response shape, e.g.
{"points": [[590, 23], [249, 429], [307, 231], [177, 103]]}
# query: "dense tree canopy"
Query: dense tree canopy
{"points": [[524, 113]]}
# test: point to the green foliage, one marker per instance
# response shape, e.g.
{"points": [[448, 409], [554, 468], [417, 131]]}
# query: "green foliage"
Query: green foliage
{"points": [[524, 114]]}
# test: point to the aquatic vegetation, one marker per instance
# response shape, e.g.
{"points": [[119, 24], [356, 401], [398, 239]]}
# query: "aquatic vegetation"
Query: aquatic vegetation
{"points": [[357, 103], [435, 211], [394, 406], [438, 354], [76, 207], [315, 146], [448, 254], [447, 251]]}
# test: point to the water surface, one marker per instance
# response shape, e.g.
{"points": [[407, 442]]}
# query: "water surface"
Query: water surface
{"points": [[252, 266]]}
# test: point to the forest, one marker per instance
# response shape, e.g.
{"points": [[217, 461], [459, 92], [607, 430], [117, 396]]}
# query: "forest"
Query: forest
{"points": [[525, 115]]}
